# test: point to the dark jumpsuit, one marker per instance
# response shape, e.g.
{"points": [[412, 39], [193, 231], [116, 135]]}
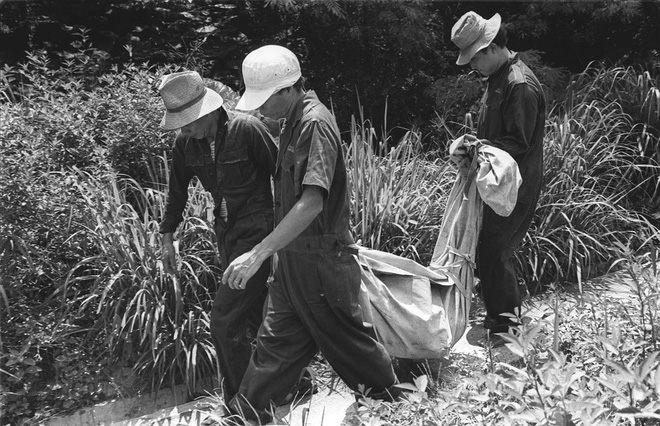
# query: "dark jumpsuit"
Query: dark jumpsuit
{"points": [[313, 304], [240, 174], [512, 118]]}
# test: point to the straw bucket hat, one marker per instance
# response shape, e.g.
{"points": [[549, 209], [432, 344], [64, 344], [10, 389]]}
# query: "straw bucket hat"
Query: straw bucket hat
{"points": [[471, 33], [265, 71], [186, 99]]}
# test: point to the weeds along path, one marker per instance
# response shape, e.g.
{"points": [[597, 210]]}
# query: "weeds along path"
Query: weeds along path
{"points": [[587, 352]]}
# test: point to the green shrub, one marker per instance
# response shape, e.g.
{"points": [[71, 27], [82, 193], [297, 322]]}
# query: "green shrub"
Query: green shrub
{"points": [[127, 116], [48, 366]]}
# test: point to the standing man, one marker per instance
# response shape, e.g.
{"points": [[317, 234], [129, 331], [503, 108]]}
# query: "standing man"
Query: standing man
{"points": [[512, 118], [313, 303], [233, 156]]}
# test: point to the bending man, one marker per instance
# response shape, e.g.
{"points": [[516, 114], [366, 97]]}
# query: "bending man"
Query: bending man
{"points": [[233, 156]]}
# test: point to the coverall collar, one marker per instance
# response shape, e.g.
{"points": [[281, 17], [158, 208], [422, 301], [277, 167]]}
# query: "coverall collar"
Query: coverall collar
{"points": [[505, 66]]}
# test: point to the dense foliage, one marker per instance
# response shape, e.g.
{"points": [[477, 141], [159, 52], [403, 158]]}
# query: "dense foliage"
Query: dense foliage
{"points": [[393, 58], [82, 178]]}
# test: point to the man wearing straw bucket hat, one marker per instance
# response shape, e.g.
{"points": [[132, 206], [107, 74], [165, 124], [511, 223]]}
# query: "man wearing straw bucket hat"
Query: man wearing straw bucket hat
{"points": [[314, 302], [233, 156], [512, 118]]}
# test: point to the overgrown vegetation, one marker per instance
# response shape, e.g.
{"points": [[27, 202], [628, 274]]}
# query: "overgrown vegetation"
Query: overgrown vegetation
{"points": [[601, 190], [396, 54], [82, 291]]}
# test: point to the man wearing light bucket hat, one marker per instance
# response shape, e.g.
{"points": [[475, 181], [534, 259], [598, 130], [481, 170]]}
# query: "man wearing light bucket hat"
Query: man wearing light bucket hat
{"points": [[314, 302], [512, 118], [233, 157]]}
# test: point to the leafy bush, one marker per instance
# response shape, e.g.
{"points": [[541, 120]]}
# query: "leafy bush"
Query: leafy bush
{"points": [[127, 112], [86, 118], [49, 366]]}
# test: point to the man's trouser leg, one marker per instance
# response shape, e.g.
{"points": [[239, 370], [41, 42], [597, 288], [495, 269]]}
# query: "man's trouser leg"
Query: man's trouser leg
{"points": [[313, 304], [498, 240], [236, 311], [232, 310]]}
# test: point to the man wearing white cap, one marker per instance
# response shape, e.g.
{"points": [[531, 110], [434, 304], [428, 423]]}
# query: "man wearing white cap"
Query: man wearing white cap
{"points": [[512, 118], [233, 156], [313, 304]]}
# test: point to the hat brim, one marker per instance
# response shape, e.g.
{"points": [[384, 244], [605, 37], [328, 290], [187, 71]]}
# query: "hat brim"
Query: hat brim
{"points": [[253, 99], [490, 31], [176, 120]]}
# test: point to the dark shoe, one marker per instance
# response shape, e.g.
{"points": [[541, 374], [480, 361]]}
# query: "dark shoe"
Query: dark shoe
{"points": [[391, 394], [489, 322], [499, 326], [495, 340], [305, 386]]}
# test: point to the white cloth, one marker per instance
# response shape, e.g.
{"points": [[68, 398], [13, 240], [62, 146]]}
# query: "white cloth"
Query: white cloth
{"points": [[498, 179]]}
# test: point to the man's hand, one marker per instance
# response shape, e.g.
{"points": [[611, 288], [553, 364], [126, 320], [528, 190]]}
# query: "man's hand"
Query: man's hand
{"points": [[459, 155], [463, 165], [241, 269], [296, 220], [168, 254]]}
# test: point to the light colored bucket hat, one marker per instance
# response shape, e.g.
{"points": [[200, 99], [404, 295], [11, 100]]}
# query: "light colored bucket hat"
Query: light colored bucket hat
{"points": [[265, 71], [186, 99], [471, 33]]}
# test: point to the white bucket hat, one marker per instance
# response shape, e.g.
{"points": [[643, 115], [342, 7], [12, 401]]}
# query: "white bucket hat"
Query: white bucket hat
{"points": [[186, 99], [265, 71], [471, 33]]}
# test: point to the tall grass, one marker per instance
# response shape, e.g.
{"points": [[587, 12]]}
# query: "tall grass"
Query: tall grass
{"points": [[634, 88], [637, 93], [597, 196], [156, 323], [397, 195]]}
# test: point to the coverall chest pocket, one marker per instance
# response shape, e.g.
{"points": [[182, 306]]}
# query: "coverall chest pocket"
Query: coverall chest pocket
{"points": [[288, 160], [234, 168], [197, 155]]}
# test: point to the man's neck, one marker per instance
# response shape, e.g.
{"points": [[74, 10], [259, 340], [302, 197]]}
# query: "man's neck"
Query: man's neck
{"points": [[296, 96], [503, 56]]}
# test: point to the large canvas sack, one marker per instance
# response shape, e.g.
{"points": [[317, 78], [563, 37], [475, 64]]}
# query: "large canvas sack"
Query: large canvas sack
{"points": [[402, 299]]}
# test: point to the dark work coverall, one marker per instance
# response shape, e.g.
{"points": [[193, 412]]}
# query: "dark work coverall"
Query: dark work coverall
{"points": [[313, 303], [512, 118], [244, 161]]}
